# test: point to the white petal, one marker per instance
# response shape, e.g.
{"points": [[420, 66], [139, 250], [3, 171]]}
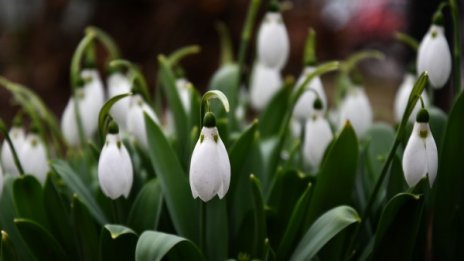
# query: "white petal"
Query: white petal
{"points": [[434, 56], [304, 107], [18, 138], [209, 167], [119, 83], [136, 121], [432, 156], [273, 43], [69, 126], [356, 108], [402, 96], [182, 87], [318, 136], [264, 84], [115, 172], [33, 157]]}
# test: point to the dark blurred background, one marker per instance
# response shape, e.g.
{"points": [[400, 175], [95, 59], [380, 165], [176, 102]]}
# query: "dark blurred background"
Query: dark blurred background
{"points": [[38, 38]]}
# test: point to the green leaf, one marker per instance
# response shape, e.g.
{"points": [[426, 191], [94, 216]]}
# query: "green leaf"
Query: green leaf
{"points": [[146, 209], [42, 244], [86, 228], [29, 199], [380, 137], [173, 181], [323, 229], [7, 250], [217, 236], [117, 243], [397, 230], [396, 182], [154, 245], [76, 185], [448, 228], [105, 113], [271, 118], [438, 120], [260, 220]]}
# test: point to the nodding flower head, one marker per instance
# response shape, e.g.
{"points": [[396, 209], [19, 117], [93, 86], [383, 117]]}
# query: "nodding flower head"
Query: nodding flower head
{"points": [[119, 83], [304, 106], [264, 84], [356, 108], [420, 158], [18, 138], [273, 44], [33, 157], [209, 166], [135, 120], [402, 97]]}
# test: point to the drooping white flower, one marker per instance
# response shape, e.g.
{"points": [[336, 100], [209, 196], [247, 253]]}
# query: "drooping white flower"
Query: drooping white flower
{"points": [[135, 119], [184, 93], [402, 96], [420, 156], [115, 172], [94, 88], [304, 107], [273, 44], [434, 56], [356, 108], [209, 166], [33, 157], [318, 136], [119, 83], [264, 84], [18, 138]]}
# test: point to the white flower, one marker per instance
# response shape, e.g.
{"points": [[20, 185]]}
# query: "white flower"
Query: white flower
{"points": [[402, 96], [420, 156], [119, 83], [265, 82], [434, 56], [318, 136], [304, 107], [273, 43], [209, 166], [184, 93], [33, 157], [115, 172], [135, 119], [94, 88], [356, 108], [18, 138]]}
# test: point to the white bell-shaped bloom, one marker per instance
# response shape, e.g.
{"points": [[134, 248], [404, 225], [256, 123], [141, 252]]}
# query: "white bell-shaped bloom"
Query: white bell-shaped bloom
{"points": [[265, 83], [119, 83], [33, 157], [115, 172], [184, 93], [18, 138], [420, 156], [402, 97], [304, 107], [356, 108], [209, 166], [94, 88], [273, 44], [434, 56], [135, 119], [318, 136]]}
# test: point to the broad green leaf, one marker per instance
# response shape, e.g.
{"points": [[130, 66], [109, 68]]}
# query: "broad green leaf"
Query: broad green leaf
{"points": [[86, 228], [146, 209], [323, 229], [396, 182], [75, 184], [380, 137], [29, 199], [117, 243], [438, 120], [398, 227], [217, 236], [154, 245], [271, 118], [260, 220], [7, 250], [448, 230], [173, 181], [41, 243]]}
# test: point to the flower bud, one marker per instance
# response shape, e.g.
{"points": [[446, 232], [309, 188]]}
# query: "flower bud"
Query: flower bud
{"points": [[135, 119], [209, 166], [115, 172], [304, 106], [265, 83], [33, 157], [18, 138], [402, 97], [119, 83], [318, 136], [184, 94], [356, 108], [273, 43]]}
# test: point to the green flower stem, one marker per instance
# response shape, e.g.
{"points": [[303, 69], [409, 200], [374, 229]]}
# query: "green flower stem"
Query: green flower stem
{"points": [[407, 40], [309, 57], [203, 226], [226, 44], [354, 59], [205, 102], [175, 57], [456, 46], [136, 77], [106, 40], [12, 148]]}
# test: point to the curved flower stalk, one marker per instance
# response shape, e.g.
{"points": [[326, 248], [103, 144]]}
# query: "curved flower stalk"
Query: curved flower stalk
{"points": [[265, 82], [420, 156], [135, 120], [18, 138], [318, 136], [119, 83], [356, 108], [434, 55], [304, 107], [33, 157], [115, 172], [402, 96], [272, 42]]}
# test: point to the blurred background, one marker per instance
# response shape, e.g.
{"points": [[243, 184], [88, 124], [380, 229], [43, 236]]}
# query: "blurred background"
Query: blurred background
{"points": [[38, 38]]}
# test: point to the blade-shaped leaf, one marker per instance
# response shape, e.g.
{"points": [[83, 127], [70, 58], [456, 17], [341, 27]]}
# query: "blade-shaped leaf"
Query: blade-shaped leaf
{"points": [[86, 228], [117, 243], [146, 209], [271, 118], [29, 200], [260, 220]]}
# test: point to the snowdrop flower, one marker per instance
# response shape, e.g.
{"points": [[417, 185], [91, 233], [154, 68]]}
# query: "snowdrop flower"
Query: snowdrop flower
{"points": [[265, 82], [94, 88], [356, 108], [318, 136], [182, 86], [33, 157], [209, 166], [304, 107], [18, 138], [119, 83], [434, 54], [420, 156], [402, 97], [115, 172], [135, 119], [272, 43]]}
